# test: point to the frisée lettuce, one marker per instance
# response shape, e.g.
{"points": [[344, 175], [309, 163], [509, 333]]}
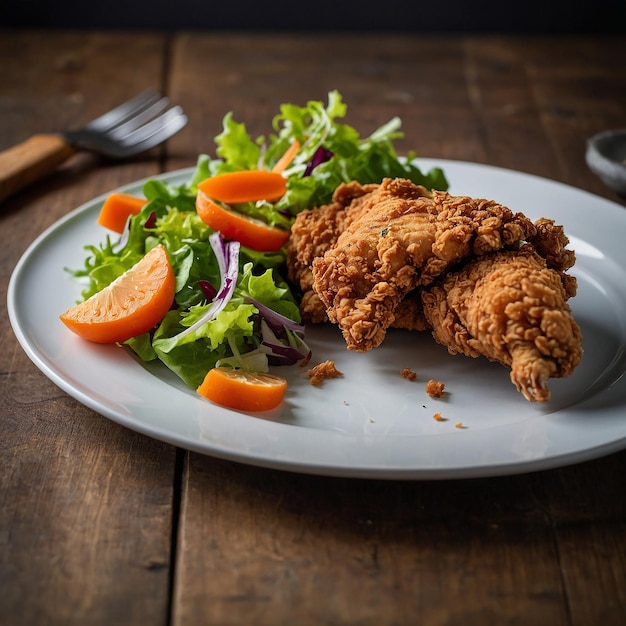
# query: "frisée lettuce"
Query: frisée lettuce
{"points": [[233, 305], [331, 152]]}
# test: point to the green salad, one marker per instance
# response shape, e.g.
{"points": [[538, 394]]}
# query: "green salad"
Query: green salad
{"points": [[233, 305]]}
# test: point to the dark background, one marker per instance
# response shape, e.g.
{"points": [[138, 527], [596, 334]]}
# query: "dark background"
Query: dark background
{"points": [[436, 16]]}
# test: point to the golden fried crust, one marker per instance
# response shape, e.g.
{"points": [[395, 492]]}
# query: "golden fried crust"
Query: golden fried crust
{"points": [[485, 280], [409, 314], [403, 237], [316, 230], [550, 242], [510, 307]]}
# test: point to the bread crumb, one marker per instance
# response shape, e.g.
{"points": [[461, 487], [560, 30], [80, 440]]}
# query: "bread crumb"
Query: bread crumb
{"points": [[435, 389], [408, 374], [438, 417], [459, 425], [322, 371]]}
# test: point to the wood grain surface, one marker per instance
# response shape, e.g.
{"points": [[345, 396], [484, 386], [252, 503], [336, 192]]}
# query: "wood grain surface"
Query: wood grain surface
{"points": [[100, 525]]}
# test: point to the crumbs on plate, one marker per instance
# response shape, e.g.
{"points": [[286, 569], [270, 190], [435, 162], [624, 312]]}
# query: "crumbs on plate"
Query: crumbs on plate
{"points": [[435, 389], [408, 374], [323, 371], [439, 418]]}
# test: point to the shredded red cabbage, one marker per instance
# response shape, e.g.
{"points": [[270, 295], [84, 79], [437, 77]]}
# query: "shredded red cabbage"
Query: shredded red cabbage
{"points": [[320, 156], [227, 255], [286, 351], [275, 319], [207, 289], [296, 350], [151, 221]]}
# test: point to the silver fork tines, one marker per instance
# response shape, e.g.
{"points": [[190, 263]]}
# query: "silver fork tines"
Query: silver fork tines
{"points": [[133, 127], [130, 128]]}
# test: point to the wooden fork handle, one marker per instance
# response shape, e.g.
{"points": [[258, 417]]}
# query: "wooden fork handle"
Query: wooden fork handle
{"points": [[31, 161]]}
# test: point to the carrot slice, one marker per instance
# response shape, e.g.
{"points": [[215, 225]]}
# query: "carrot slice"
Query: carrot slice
{"points": [[241, 390], [245, 186], [116, 209], [283, 163], [131, 305], [252, 233]]}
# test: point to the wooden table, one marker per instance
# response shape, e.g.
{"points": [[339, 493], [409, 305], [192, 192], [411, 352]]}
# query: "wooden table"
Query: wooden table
{"points": [[101, 525]]}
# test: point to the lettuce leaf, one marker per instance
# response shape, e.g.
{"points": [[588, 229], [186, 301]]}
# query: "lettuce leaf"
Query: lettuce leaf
{"points": [[314, 126]]}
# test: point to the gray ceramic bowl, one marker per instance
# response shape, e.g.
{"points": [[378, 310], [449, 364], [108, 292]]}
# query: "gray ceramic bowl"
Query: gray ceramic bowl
{"points": [[606, 156]]}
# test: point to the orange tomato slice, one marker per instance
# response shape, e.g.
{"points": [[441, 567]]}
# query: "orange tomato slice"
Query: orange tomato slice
{"points": [[245, 186], [116, 209], [252, 233], [241, 390], [131, 305]]}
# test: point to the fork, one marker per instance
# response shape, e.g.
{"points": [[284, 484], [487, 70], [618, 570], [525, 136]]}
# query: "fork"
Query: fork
{"points": [[127, 130]]}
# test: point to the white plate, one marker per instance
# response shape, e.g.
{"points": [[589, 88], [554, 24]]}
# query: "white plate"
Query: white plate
{"points": [[372, 422]]}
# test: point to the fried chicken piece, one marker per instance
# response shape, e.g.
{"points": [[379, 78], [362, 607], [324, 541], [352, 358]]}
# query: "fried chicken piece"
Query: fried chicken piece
{"points": [[550, 242], [511, 307], [397, 237], [314, 232], [409, 314], [379, 254]]}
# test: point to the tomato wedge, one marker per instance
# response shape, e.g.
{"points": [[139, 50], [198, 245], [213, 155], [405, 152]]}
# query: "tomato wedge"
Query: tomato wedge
{"points": [[131, 305], [251, 232], [245, 186], [241, 390]]}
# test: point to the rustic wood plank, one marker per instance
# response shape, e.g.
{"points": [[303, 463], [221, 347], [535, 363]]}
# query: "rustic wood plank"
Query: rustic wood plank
{"points": [[78, 492], [502, 97], [420, 80], [541, 98], [588, 510], [578, 100], [85, 529], [259, 546]]}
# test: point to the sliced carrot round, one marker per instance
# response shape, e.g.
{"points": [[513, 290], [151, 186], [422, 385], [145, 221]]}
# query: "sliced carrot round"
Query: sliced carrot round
{"points": [[131, 305], [251, 232], [241, 390], [116, 209], [245, 186]]}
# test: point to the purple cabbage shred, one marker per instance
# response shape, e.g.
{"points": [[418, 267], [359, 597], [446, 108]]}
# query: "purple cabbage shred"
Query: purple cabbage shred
{"points": [[207, 289], [151, 221], [321, 156]]}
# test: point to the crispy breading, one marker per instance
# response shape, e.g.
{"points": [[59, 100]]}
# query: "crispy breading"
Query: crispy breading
{"points": [[485, 280], [314, 232], [403, 237], [435, 388], [323, 371], [510, 307]]}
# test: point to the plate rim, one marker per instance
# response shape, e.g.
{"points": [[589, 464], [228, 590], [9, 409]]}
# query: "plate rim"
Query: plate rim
{"points": [[357, 471]]}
